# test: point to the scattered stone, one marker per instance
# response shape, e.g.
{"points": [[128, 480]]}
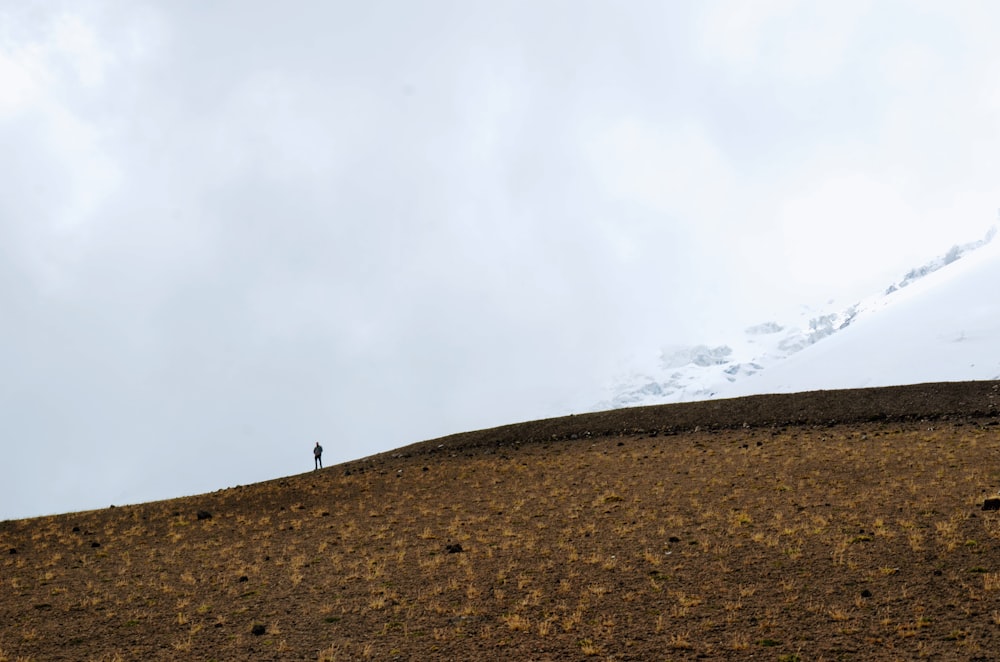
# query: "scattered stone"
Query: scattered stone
{"points": [[204, 514], [866, 593], [76, 529], [43, 607], [13, 550], [454, 548], [95, 544], [674, 539], [258, 630], [993, 503], [243, 578]]}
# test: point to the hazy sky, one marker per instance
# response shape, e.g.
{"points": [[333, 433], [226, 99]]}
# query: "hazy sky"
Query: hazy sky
{"points": [[231, 229]]}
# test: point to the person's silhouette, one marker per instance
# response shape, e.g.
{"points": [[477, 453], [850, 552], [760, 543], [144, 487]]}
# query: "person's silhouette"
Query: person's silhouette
{"points": [[318, 456]]}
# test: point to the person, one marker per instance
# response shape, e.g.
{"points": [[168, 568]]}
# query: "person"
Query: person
{"points": [[318, 456]]}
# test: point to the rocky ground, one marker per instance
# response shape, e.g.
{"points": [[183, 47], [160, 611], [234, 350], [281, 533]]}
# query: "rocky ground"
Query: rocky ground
{"points": [[827, 525]]}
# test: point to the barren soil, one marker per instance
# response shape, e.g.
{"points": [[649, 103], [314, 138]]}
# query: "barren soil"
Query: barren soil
{"points": [[841, 525]]}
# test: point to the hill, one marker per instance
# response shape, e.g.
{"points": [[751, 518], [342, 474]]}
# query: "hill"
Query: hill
{"points": [[824, 525], [934, 324]]}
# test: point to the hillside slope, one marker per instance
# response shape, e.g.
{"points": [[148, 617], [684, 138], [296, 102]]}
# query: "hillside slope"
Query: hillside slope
{"points": [[833, 525]]}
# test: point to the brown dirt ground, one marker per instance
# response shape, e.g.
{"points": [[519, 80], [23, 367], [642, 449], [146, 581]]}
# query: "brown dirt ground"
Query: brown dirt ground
{"points": [[841, 525]]}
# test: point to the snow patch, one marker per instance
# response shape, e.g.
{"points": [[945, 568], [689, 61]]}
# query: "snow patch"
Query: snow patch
{"points": [[940, 322]]}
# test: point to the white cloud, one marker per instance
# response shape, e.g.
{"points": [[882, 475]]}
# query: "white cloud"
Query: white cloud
{"points": [[794, 39], [735, 32], [910, 67], [824, 232], [18, 86], [679, 172], [75, 42]]}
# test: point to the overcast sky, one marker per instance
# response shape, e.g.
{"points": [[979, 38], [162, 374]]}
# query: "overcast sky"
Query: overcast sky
{"points": [[229, 230]]}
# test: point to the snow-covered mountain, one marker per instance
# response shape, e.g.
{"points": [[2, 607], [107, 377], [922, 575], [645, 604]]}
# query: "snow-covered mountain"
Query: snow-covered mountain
{"points": [[940, 322]]}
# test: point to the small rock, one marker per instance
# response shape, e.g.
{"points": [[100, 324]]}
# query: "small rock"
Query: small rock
{"points": [[258, 630], [95, 544], [993, 503], [204, 514], [453, 549]]}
